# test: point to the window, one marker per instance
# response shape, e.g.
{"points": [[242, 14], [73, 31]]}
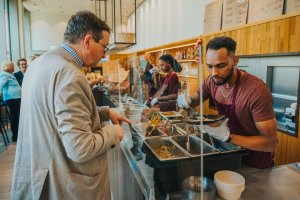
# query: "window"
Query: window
{"points": [[7, 32]]}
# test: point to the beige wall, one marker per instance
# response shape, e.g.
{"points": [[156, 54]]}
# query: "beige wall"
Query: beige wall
{"points": [[47, 29]]}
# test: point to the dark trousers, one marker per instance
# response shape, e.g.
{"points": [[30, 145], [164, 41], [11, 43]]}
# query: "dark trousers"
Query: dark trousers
{"points": [[14, 109]]}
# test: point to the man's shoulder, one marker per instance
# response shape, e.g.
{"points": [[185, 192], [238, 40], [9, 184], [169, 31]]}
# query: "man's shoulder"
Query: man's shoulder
{"points": [[252, 82]]}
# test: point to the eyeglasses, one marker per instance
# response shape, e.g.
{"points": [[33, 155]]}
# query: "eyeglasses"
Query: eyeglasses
{"points": [[106, 49]]}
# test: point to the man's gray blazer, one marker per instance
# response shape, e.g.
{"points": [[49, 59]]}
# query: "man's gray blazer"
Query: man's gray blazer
{"points": [[61, 149]]}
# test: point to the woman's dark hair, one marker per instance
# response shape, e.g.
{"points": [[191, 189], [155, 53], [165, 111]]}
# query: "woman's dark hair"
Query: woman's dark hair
{"points": [[222, 42], [167, 58], [83, 23]]}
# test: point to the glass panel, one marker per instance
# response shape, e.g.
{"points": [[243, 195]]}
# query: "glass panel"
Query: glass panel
{"points": [[284, 88]]}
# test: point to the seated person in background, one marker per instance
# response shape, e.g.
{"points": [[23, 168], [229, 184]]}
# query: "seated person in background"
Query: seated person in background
{"points": [[11, 91], [93, 80], [165, 97], [22, 64]]}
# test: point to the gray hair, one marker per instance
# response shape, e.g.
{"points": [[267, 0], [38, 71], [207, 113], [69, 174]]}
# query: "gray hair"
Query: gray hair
{"points": [[7, 66]]}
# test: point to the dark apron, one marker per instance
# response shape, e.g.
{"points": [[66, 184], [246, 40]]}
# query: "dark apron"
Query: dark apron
{"points": [[255, 158]]}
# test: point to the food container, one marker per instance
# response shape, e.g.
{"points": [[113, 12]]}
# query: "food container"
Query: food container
{"points": [[195, 146], [225, 147], [157, 142], [156, 133], [230, 185], [171, 130], [191, 188], [170, 115], [132, 110]]}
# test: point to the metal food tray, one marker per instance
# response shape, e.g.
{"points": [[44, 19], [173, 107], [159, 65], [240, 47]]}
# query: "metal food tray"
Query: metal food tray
{"points": [[170, 115], [156, 133], [154, 143], [206, 138], [195, 146], [168, 131], [212, 119], [226, 147]]}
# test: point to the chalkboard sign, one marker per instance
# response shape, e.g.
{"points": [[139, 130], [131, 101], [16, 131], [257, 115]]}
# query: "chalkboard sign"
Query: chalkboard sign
{"points": [[213, 17], [260, 10], [235, 13], [293, 6]]}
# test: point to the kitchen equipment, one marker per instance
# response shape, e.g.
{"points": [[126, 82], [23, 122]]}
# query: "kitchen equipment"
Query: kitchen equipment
{"points": [[187, 133], [230, 185], [170, 115], [155, 125], [155, 143], [195, 146], [207, 119], [191, 188]]}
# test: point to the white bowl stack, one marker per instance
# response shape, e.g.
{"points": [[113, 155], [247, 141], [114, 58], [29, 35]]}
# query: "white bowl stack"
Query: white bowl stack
{"points": [[230, 185]]}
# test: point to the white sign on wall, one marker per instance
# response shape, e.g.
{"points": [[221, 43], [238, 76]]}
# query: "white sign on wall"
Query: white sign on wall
{"points": [[235, 13], [260, 10], [213, 17], [293, 6]]}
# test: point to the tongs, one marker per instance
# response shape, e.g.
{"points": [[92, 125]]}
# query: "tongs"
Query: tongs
{"points": [[155, 121]]}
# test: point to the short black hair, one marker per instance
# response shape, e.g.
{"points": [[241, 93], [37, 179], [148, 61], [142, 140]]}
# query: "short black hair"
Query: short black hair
{"points": [[222, 42], [83, 23]]}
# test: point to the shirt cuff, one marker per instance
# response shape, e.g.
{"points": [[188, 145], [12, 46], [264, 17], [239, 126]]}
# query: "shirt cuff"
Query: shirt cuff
{"points": [[104, 113]]}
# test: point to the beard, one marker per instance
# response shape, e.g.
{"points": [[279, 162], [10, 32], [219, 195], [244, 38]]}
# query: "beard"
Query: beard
{"points": [[224, 79]]}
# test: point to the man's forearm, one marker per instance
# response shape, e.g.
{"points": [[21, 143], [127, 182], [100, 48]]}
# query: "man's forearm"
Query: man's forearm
{"points": [[168, 97], [255, 143]]}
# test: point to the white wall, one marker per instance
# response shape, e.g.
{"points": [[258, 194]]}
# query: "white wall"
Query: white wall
{"points": [[165, 21], [47, 29]]}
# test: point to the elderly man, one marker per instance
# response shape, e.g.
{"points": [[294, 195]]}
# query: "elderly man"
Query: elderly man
{"points": [[22, 64], [62, 147]]}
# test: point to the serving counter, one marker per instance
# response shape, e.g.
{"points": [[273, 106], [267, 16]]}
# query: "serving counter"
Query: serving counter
{"points": [[131, 179]]}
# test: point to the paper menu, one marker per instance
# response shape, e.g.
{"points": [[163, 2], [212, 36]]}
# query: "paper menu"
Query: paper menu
{"points": [[235, 13], [264, 9], [213, 17], [293, 6]]}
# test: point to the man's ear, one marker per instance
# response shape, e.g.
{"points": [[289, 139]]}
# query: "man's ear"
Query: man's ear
{"points": [[236, 60], [86, 41]]}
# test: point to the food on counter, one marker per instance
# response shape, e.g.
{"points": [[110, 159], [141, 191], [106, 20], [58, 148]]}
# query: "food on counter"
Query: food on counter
{"points": [[192, 132], [94, 76], [164, 152]]}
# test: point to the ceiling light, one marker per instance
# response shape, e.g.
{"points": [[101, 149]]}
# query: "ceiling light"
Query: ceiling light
{"points": [[38, 10], [34, 4]]}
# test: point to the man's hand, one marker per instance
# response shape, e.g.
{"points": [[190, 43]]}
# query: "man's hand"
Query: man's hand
{"points": [[220, 132], [116, 118], [120, 131], [154, 101], [183, 101]]}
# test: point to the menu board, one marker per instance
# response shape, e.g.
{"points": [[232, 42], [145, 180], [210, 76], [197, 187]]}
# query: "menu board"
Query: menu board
{"points": [[213, 17], [235, 13], [293, 6], [260, 10]]}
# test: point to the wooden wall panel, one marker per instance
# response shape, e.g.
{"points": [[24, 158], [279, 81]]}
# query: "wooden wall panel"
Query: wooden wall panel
{"points": [[278, 36]]}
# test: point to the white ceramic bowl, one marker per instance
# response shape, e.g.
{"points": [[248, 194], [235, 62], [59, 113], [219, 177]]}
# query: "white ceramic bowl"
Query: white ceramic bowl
{"points": [[230, 185]]}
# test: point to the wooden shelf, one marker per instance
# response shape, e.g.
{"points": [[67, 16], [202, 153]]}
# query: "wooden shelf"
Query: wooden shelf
{"points": [[181, 75], [185, 60]]}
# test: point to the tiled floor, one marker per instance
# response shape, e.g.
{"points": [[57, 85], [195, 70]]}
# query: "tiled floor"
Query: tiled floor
{"points": [[7, 158]]}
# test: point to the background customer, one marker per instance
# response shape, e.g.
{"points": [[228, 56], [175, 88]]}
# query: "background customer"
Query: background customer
{"points": [[22, 64], [11, 91]]}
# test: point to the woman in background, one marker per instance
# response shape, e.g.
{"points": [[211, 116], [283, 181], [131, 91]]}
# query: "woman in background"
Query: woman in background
{"points": [[151, 76], [11, 92]]}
